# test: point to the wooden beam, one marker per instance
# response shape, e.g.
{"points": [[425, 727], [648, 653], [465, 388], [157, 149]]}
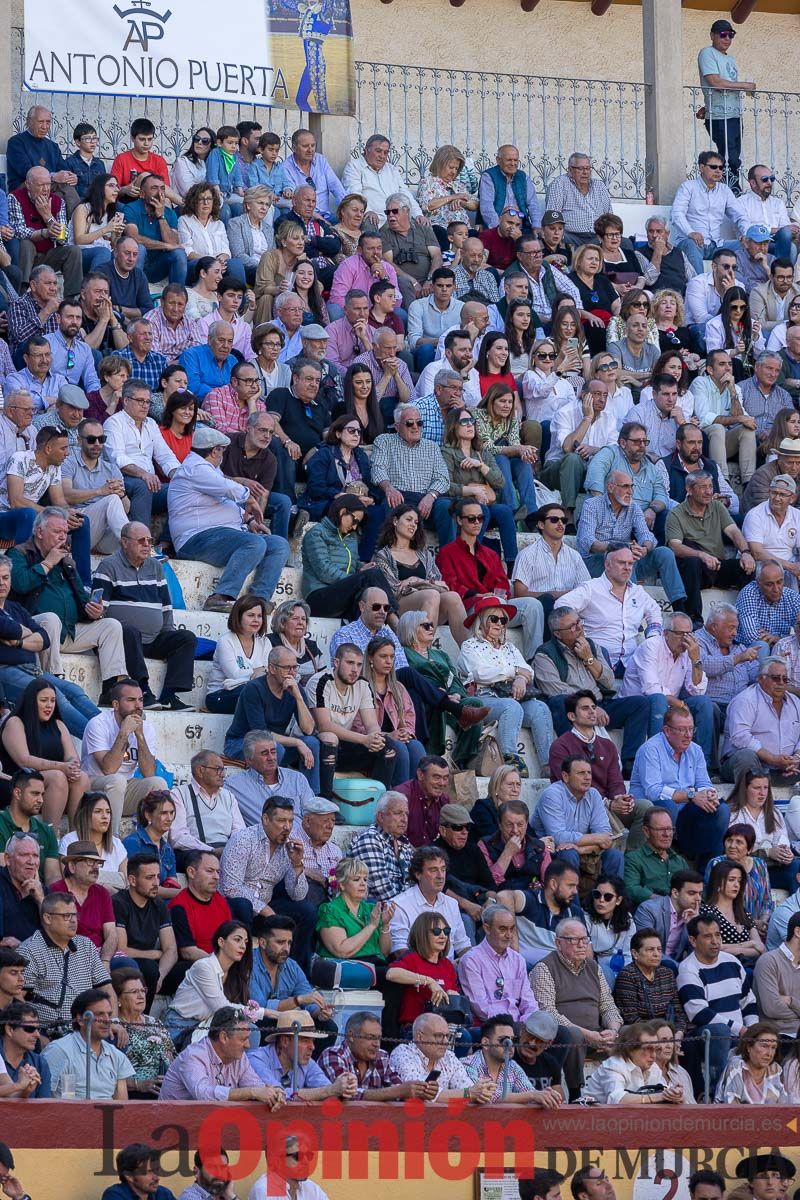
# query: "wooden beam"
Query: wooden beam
{"points": [[741, 10], [601, 7], [528, 5]]}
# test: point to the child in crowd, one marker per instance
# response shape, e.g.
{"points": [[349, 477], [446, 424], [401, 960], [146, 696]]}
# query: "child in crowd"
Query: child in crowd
{"points": [[223, 171], [267, 170], [457, 234], [84, 161], [132, 165]]}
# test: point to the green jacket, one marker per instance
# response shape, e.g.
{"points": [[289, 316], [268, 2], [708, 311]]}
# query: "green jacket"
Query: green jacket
{"points": [[58, 591], [328, 556]]}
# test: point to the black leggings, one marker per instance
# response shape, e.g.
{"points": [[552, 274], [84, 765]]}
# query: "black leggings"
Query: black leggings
{"points": [[340, 599]]}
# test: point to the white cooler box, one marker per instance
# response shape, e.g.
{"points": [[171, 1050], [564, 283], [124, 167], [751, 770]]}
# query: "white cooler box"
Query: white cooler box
{"points": [[346, 1002]]}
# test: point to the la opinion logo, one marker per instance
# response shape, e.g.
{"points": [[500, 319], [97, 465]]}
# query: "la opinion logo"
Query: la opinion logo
{"points": [[145, 25]]}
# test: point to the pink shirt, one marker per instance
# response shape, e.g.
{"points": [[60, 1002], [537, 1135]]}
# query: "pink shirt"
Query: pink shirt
{"points": [[353, 272]]}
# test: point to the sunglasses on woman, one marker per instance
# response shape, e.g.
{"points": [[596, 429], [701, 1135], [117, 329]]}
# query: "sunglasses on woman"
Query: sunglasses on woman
{"points": [[494, 620], [598, 895]]}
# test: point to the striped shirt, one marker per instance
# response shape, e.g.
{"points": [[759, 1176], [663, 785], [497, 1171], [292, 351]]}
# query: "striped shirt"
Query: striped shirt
{"points": [[54, 977], [172, 342], [580, 211], [726, 678], [518, 1081], [24, 320], [716, 994], [541, 571], [598, 523]]}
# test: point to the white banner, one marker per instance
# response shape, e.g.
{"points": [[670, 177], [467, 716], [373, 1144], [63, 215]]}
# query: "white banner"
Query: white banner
{"points": [[261, 52]]}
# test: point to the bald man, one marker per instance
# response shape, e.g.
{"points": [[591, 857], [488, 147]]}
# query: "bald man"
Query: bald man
{"points": [[38, 217]]}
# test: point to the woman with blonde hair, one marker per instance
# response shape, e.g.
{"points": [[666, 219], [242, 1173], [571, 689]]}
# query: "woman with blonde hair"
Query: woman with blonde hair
{"points": [[351, 211], [275, 272], [350, 928], [439, 196], [252, 234], [669, 315], [620, 398]]}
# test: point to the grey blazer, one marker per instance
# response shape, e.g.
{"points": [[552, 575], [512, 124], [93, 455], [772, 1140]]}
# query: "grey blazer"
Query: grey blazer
{"points": [[655, 914], [240, 239]]}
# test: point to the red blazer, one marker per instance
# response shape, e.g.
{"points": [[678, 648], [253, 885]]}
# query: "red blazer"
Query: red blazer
{"points": [[460, 571]]}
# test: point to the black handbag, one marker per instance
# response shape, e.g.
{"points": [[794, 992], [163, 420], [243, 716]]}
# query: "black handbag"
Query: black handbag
{"points": [[457, 1010]]}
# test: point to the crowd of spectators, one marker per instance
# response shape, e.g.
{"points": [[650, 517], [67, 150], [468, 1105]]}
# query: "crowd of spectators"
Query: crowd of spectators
{"points": [[248, 363]]}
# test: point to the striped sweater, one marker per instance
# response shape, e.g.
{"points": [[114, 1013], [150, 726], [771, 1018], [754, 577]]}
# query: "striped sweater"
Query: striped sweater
{"points": [[137, 597], [717, 994]]}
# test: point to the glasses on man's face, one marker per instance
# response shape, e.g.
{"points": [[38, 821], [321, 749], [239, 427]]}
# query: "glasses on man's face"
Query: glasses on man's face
{"points": [[29, 1028], [379, 607], [140, 541], [639, 441], [413, 424], [391, 212], [496, 619], [766, 178], [92, 439], [580, 940], [714, 166], [248, 381], [778, 678], [726, 34], [555, 520]]}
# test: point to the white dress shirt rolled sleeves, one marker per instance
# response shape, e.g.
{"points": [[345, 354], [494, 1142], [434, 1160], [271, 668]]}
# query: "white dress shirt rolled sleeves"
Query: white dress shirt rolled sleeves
{"points": [[408, 906], [700, 209], [702, 299], [612, 623], [564, 818], [652, 670], [134, 447], [601, 432], [377, 186], [752, 723], [710, 402], [770, 212], [201, 498]]}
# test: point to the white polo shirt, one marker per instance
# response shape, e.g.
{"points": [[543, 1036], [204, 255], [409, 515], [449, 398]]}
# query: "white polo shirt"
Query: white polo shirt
{"points": [[778, 540]]}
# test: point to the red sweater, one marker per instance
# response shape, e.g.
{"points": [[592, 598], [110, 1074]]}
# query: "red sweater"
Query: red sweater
{"points": [[606, 769], [472, 575], [502, 250]]}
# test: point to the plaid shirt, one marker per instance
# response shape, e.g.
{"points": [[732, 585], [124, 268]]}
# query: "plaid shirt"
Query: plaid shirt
{"points": [[172, 342], [54, 977], [388, 870], [598, 524], [755, 613], [484, 282], [338, 1060], [764, 409], [322, 859], [580, 211], [24, 321], [16, 219], [417, 469], [222, 405], [725, 677], [148, 371]]}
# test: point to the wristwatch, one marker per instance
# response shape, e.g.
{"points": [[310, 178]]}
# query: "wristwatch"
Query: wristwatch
{"points": [[690, 793]]}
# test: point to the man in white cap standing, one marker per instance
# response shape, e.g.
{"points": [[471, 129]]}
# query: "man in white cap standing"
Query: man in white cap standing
{"points": [[216, 520]]}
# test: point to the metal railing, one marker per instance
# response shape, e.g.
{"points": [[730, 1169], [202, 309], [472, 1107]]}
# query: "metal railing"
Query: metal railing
{"points": [[770, 134], [421, 108]]}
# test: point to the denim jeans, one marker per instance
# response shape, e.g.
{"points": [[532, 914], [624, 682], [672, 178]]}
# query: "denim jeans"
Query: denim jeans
{"points": [[240, 553], [74, 706], [409, 755], [661, 563], [93, 256], [172, 263], [440, 518], [694, 1056], [511, 715], [530, 618], [503, 518], [698, 834], [144, 502], [518, 474], [279, 510], [695, 255]]}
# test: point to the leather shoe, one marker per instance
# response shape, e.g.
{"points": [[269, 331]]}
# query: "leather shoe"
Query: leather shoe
{"points": [[470, 716]]}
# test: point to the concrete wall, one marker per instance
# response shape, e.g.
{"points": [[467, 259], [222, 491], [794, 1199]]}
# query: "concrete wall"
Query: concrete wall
{"points": [[560, 38]]}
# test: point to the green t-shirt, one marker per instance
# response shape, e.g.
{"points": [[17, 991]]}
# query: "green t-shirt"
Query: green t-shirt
{"points": [[335, 913], [706, 531], [44, 834]]}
